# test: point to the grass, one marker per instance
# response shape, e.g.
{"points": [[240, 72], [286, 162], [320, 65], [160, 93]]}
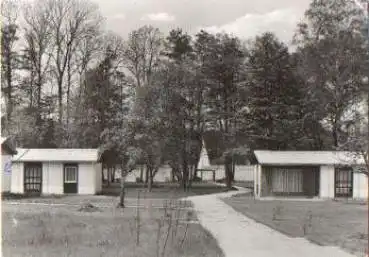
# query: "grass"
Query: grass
{"points": [[341, 224], [100, 229], [162, 190], [159, 191]]}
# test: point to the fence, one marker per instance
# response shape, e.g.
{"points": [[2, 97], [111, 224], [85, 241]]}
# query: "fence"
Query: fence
{"points": [[242, 173]]}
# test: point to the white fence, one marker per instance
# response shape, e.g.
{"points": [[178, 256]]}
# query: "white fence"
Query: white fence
{"points": [[242, 173], [163, 174]]}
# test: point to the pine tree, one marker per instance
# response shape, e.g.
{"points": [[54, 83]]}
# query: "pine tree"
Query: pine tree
{"points": [[273, 119]]}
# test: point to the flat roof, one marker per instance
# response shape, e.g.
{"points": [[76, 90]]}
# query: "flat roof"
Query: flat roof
{"points": [[268, 157], [55, 155]]}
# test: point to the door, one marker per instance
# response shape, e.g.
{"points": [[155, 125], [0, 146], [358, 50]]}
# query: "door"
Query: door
{"points": [[343, 182], [32, 178], [70, 179]]}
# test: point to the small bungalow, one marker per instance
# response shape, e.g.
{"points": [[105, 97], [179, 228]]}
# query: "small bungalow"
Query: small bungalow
{"points": [[211, 162], [321, 174], [7, 151], [56, 171]]}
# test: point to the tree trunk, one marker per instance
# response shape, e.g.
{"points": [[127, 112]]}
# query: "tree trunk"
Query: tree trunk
{"points": [[146, 176], [141, 172], [108, 175], [9, 89], [150, 180], [185, 177], [335, 134], [172, 174], [102, 175], [122, 188], [233, 170], [113, 174], [60, 101], [190, 177], [228, 172], [69, 82]]}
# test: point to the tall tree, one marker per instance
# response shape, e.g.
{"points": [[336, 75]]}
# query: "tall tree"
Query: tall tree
{"points": [[334, 58], [105, 84], [274, 98], [222, 59], [180, 105], [142, 53], [71, 21], [9, 55]]}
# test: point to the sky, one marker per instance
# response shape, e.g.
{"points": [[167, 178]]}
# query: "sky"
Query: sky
{"points": [[243, 18]]}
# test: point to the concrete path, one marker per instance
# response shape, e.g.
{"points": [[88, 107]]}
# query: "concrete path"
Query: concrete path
{"points": [[240, 236]]}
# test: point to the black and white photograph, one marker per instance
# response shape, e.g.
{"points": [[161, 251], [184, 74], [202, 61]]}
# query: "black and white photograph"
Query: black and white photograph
{"points": [[184, 128]]}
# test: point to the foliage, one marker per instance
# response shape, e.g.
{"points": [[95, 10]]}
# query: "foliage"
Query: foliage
{"points": [[153, 98]]}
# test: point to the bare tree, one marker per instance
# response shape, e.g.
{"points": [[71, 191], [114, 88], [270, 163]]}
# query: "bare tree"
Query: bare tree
{"points": [[9, 37], [71, 22], [142, 53], [37, 51]]}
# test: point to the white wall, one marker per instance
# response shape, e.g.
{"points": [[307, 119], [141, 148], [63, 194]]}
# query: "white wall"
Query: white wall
{"points": [[244, 172], [257, 170], [326, 181], [360, 186], [163, 174], [17, 178], [53, 181], [52, 178], [5, 177], [86, 178], [257, 180]]}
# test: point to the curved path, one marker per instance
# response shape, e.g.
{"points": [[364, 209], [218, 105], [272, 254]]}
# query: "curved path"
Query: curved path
{"points": [[240, 236]]}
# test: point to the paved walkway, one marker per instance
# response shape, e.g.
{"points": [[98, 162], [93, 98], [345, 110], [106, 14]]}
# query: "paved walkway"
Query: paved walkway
{"points": [[240, 236]]}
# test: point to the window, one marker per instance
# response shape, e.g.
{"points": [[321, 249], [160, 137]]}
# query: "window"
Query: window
{"points": [[32, 177], [70, 174]]}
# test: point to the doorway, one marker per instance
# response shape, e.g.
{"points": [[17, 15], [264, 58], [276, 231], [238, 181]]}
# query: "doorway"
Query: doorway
{"points": [[32, 178], [70, 178], [343, 181]]}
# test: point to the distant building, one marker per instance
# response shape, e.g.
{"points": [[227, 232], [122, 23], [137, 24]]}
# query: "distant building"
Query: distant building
{"points": [[211, 163]]}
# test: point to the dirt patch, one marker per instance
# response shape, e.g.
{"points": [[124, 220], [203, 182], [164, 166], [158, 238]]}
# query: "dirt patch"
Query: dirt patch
{"points": [[88, 207], [328, 223]]}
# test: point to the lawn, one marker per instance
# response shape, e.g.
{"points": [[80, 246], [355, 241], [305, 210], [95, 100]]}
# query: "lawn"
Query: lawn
{"points": [[163, 190], [72, 228], [342, 224]]}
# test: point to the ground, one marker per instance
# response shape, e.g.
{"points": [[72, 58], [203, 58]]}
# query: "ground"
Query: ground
{"points": [[332, 223], [163, 190], [68, 226], [93, 226]]}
